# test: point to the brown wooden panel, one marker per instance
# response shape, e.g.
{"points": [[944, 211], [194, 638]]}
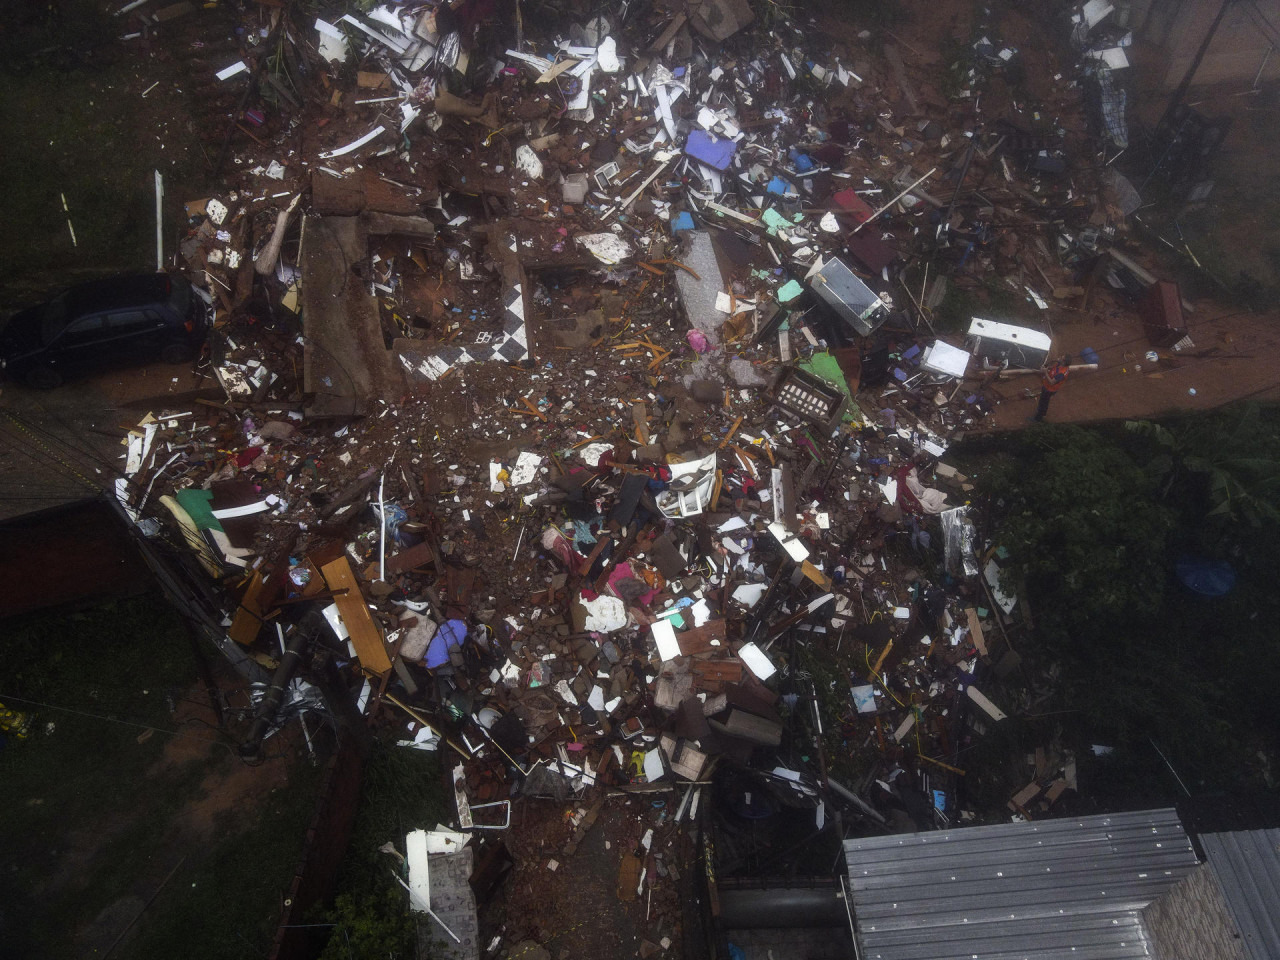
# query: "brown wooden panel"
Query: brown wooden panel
{"points": [[698, 640], [248, 618], [365, 635]]}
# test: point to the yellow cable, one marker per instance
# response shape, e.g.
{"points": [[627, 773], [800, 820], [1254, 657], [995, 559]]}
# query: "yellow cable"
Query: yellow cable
{"points": [[866, 655]]}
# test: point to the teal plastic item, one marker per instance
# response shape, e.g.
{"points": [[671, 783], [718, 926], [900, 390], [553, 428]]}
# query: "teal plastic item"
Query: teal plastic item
{"points": [[789, 291]]}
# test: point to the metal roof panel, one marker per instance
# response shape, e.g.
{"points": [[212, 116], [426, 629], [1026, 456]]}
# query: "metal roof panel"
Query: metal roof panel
{"points": [[1247, 865], [1070, 888]]}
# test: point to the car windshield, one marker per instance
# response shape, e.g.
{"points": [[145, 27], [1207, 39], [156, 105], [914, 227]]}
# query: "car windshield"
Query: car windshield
{"points": [[53, 319], [180, 296]]}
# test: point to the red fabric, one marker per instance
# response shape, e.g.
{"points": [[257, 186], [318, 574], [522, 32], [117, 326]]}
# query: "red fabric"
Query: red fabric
{"points": [[246, 457], [906, 499]]}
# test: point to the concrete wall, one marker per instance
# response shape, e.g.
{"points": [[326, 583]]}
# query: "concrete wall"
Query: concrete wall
{"points": [[1190, 922], [1168, 33]]}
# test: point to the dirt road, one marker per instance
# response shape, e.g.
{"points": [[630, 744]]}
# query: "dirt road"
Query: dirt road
{"points": [[1233, 359]]}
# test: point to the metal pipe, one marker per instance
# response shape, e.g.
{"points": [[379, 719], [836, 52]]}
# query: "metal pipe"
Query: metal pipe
{"points": [[270, 704], [865, 808], [853, 926], [429, 912], [894, 200], [382, 537], [1271, 47], [423, 720]]}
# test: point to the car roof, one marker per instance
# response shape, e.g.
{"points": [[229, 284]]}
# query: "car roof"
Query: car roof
{"points": [[117, 292]]}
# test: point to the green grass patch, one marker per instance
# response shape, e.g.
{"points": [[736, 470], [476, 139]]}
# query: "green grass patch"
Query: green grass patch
{"points": [[229, 899], [95, 816], [77, 127]]}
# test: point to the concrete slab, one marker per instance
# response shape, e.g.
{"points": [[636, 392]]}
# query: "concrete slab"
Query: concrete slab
{"points": [[698, 295], [423, 361], [454, 903]]}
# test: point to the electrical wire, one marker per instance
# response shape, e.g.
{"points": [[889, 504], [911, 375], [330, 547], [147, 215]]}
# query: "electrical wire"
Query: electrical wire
{"points": [[45, 498], [91, 451], [82, 450], [866, 654], [52, 458], [1263, 23], [10, 698], [47, 458], [176, 734], [42, 450], [70, 455], [1257, 9], [23, 447]]}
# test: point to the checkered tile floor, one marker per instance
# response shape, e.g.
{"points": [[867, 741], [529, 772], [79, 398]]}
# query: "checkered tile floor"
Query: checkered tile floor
{"points": [[511, 347]]}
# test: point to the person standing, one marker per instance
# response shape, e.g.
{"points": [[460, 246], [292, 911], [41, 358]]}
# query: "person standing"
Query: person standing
{"points": [[1051, 380]]}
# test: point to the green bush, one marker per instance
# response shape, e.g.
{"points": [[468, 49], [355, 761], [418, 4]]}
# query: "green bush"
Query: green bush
{"points": [[372, 924]]}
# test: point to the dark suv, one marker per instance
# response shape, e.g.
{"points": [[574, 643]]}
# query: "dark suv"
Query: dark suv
{"points": [[101, 324]]}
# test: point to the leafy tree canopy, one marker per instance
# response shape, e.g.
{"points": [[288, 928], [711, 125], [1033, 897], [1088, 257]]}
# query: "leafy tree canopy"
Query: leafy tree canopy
{"points": [[1094, 522], [1082, 527]]}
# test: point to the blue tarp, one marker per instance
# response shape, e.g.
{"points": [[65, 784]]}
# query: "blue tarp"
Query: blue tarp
{"points": [[1212, 578], [451, 634], [781, 188]]}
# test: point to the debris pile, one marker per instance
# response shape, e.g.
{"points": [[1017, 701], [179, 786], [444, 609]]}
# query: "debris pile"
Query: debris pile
{"points": [[587, 416]]}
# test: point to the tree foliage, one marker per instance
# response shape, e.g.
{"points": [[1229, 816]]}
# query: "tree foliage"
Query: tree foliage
{"points": [[1094, 523], [1080, 523], [401, 791], [1231, 476]]}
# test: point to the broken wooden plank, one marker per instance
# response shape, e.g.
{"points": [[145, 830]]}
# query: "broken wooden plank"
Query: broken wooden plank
{"points": [[1018, 803], [365, 635], [416, 556], [880, 659], [729, 436], [1056, 789], [816, 575], [905, 726], [747, 726], [349, 494], [555, 70], [640, 417], [248, 617], [989, 708], [703, 639], [669, 33], [717, 671], [900, 74], [975, 630], [629, 866]]}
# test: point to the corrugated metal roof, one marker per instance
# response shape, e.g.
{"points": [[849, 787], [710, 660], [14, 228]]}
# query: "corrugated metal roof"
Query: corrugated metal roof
{"points": [[1247, 864], [1044, 889]]}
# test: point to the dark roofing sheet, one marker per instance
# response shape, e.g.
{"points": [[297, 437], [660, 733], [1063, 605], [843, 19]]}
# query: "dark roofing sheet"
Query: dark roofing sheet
{"points": [[1247, 864]]}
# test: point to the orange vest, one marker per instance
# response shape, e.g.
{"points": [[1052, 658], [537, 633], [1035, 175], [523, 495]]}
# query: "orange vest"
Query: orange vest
{"points": [[1055, 377]]}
